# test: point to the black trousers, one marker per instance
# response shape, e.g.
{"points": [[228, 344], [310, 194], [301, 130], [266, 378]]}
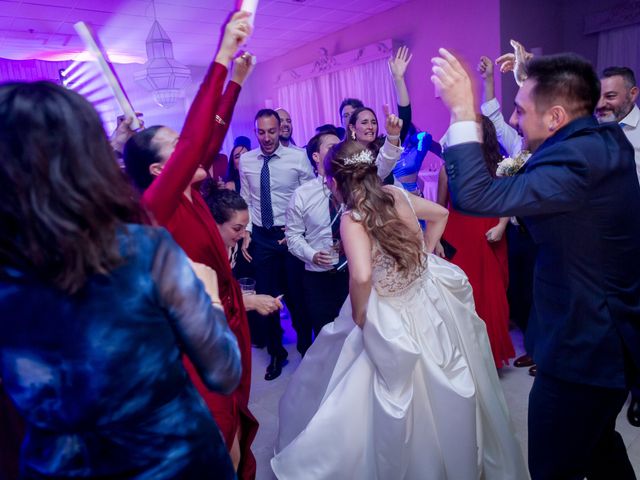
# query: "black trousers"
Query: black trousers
{"points": [[277, 272], [324, 294], [572, 432], [522, 257]]}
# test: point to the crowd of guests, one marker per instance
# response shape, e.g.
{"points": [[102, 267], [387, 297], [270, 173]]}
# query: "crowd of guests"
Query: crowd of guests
{"points": [[126, 349]]}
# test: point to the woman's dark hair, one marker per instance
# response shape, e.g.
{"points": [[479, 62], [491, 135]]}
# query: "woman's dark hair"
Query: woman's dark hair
{"points": [[138, 155], [490, 145], [233, 175], [223, 203], [373, 207], [62, 196]]}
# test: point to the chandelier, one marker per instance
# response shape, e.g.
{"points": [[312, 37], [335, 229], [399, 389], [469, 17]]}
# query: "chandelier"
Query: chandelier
{"points": [[163, 75]]}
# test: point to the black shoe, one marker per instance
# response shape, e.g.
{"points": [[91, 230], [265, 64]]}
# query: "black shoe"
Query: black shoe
{"points": [[533, 370], [275, 367], [633, 413]]}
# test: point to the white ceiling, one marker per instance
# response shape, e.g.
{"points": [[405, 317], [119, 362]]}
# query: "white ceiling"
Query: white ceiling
{"points": [[43, 29]]}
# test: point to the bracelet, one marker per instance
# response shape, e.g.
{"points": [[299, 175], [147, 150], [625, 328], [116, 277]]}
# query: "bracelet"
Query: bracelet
{"points": [[217, 302], [393, 137]]}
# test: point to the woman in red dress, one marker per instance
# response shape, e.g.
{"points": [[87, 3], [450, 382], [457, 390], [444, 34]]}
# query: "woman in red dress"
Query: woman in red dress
{"points": [[481, 252], [166, 167]]}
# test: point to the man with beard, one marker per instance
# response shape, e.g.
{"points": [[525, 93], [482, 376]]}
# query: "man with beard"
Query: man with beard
{"points": [[286, 129], [618, 95], [269, 175], [578, 198]]}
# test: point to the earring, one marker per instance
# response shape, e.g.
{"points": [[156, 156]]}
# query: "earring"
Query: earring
{"points": [[353, 135]]}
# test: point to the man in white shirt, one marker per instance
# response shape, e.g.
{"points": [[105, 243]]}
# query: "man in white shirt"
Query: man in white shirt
{"points": [[313, 222], [268, 177], [618, 95]]}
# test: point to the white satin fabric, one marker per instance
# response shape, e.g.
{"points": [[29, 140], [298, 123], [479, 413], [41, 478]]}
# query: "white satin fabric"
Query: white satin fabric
{"points": [[412, 395]]}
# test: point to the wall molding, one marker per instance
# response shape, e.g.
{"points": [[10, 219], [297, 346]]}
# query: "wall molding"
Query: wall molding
{"points": [[327, 63]]}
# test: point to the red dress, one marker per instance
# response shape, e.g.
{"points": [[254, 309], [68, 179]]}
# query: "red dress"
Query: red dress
{"points": [[486, 265], [195, 230]]}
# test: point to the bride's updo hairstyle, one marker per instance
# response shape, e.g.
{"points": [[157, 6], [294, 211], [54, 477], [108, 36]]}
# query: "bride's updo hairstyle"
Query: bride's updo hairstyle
{"points": [[353, 168]]}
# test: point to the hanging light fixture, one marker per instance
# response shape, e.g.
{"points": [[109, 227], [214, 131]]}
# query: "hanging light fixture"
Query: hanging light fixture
{"points": [[163, 75]]}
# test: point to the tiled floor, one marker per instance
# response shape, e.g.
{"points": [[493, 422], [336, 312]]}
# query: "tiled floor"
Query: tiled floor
{"points": [[515, 381]]}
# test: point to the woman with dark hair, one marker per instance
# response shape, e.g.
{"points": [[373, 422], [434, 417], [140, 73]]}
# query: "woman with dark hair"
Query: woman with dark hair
{"points": [[95, 310], [232, 178], [167, 168], [402, 384], [231, 214], [481, 251]]}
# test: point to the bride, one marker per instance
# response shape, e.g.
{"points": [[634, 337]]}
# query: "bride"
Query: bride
{"points": [[402, 385]]}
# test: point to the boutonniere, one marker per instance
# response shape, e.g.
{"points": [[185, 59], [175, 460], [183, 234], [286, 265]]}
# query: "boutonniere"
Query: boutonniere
{"points": [[508, 167]]}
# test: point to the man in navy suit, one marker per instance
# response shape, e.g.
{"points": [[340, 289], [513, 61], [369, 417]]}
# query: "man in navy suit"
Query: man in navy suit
{"points": [[580, 200]]}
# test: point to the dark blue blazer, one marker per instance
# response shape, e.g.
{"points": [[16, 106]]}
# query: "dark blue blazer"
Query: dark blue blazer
{"points": [[579, 198]]}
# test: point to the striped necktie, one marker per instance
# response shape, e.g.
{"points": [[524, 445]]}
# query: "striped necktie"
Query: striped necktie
{"points": [[266, 209]]}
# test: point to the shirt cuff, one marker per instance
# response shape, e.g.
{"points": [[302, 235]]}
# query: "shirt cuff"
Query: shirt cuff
{"points": [[308, 252], [490, 107], [462, 132]]}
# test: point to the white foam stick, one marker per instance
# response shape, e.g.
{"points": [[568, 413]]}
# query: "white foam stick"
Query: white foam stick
{"points": [[109, 74], [249, 6]]}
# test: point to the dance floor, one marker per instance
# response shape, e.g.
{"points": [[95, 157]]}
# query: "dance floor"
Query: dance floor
{"points": [[515, 381]]}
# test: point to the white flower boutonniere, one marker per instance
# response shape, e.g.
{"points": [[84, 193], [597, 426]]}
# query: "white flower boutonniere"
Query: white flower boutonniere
{"points": [[508, 167]]}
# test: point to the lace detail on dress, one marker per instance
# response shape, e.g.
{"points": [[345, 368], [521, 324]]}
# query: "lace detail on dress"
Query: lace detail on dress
{"points": [[387, 280]]}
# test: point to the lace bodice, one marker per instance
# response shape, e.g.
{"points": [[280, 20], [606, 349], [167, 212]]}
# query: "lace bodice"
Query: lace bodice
{"points": [[387, 280]]}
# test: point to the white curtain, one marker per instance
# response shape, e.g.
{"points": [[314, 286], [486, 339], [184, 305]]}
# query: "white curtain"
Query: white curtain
{"points": [[315, 101], [620, 47]]}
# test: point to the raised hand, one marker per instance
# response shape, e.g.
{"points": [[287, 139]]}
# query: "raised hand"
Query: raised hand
{"points": [[398, 65], [485, 67], [242, 67], [393, 124], [123, 131], [235, 33], [515, 62], [454, 86]]}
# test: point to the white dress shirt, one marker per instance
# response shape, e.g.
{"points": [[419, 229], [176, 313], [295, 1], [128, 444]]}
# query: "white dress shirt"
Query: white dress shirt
{"points": [[308, 218], [288, 169], [507, 135], [631, 128]]}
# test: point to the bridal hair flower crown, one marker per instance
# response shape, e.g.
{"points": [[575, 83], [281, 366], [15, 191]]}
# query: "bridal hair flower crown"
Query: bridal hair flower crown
{"points": [[364, 156]]}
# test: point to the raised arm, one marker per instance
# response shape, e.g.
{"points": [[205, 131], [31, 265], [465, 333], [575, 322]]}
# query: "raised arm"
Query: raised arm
{"points": [[391, 150], [163, 196], [201, 328], [357, 248], [242, 68], [398, 67], [507, 135]]}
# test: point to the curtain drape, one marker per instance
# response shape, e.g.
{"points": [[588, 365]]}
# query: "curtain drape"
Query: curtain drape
{"points": [[315, 101], [620, 47]]}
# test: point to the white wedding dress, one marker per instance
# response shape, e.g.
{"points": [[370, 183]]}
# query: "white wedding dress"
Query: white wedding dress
{"points": [[412, 395]]}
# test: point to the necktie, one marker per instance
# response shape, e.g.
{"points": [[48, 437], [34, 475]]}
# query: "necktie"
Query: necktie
{"points": [[266, 209], [335, 227]]}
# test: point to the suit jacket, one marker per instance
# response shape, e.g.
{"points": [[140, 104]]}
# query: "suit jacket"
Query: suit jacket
{"points": [[579, 198]]}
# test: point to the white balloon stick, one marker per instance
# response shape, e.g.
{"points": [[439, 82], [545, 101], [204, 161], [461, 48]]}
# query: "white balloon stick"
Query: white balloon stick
{"points": [[250, 6], [108, 72]]}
